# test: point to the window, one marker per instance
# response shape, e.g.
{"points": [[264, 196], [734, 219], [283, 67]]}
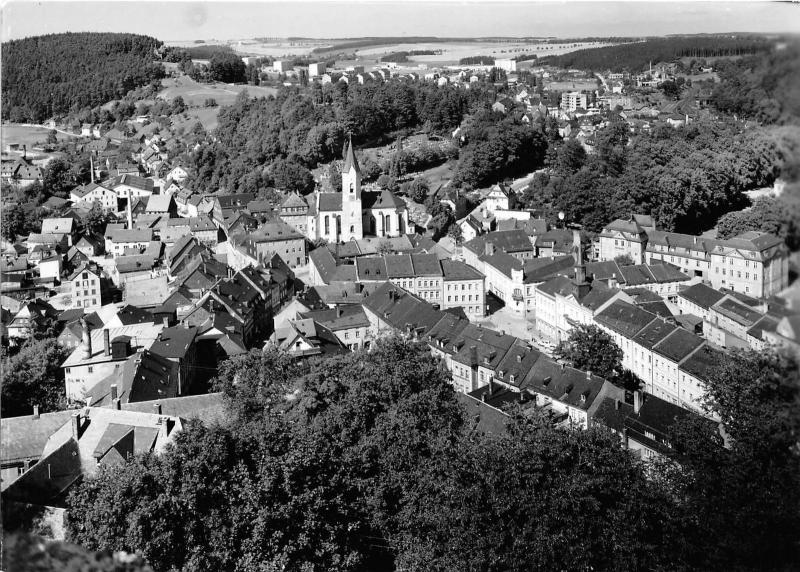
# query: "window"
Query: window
{"points": [[358, 334], [91, 369], [67, 370], [346, 335]]}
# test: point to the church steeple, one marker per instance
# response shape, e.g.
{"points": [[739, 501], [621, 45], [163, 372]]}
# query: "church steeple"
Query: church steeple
{"points": [[350, 161]]}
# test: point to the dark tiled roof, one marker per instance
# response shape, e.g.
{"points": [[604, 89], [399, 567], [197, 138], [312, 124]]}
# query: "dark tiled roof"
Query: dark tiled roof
{"points": [[701, 295], [540, 269], [426, 265], [702, 362], [330, 202], [342, 318], [457, 270], [624, 318], [174, 342], [653, 333], [399, 266], [371, 268], [736, 311], [678, 344], [502, 240]]}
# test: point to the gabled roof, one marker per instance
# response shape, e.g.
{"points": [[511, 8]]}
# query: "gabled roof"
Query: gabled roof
{"points": [[678, 344], [130, 235], [701, 295], [174, 343], [350, 161], [294, 200], [330, 202], [58, 225], [132, 181], [342, 318], [702, 363], [399, 309], [624, 318], [160, 204], [502, 240]]}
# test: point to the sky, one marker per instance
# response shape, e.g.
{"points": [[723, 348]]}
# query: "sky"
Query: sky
{"points": [[182, 21]]}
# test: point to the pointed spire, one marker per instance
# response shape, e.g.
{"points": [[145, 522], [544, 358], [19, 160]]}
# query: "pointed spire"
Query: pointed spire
{"points": [[350, 158]]}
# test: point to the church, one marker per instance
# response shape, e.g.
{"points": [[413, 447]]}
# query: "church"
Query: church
{"points": [[350, 214]]}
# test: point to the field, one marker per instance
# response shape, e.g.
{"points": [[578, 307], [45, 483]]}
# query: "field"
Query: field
{"points": [[573, 85], [24, 135], [194, 93], [452, 52]]}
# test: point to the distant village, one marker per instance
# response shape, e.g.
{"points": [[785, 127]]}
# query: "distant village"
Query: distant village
{"points": [[179, 281]]}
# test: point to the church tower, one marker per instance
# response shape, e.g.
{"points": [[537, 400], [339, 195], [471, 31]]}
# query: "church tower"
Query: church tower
{"points": [[351, 196]]}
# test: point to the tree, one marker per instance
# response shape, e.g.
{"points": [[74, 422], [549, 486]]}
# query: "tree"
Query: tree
{"points": [[292, 177], [52, 136], [534, 498], [95, 221], [571, 156], [624, 260], [387, 182], [671, 89], [56, 178], [590, 348], [227, 67], [33, 377], [13, 222], [418, 191], [178, 105], [773, 215], [746, 485], [455, 233]]}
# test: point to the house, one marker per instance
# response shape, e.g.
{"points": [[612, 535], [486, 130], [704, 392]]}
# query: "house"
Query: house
{"points": [[201, 228], [162, 205], [503, 105], [348, 323], [273, 238], [131, 186], [305, 338], [102, 352], [178, 174], [60, 226], [89, 245], [92, 193], [225, 206], [624, 238], [117, 241], [698, 299], [87, 441], [728, 321], [512, 242], [50, 268], [130, 268], [31, 316], [179, 345]]}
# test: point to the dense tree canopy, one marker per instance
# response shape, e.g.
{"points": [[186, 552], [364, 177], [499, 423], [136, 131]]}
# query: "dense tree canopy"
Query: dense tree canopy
{"points": [[54, 74], [367, 461], [34, 376], [227, 67]]}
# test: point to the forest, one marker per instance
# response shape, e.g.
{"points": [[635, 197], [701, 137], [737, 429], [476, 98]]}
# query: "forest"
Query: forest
{"points": [[294, 126], [635, 56], [685, 178], [367, 461], [56, 74]]}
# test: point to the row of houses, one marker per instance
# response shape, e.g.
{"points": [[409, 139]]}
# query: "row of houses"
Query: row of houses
{"points": [[753, 263]]}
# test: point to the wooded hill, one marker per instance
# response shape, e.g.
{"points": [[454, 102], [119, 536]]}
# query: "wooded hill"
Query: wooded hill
{"points": [[636, 56], [54, 74]]}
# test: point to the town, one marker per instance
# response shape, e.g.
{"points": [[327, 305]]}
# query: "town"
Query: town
{"points": [[140, 268]]}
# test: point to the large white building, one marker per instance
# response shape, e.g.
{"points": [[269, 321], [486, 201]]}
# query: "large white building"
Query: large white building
{"points": [[349, 214], [753, 263]]}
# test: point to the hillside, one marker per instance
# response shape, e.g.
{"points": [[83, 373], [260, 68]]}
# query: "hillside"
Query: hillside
{"points": [[636, 56], [46, 76]]}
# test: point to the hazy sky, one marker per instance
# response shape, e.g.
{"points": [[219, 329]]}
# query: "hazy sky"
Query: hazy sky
{"points": [[234, 20]]}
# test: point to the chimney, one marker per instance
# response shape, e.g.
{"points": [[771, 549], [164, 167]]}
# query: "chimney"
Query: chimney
{"points": [[166, 321], [24, 151], [106, 342], [91, 167], [491, 387], [625, 438], [157, 408], [638, 398], [616, 404], [76, 425], [519, 358], [339, 311], [488, 248], [86, 340], [588, 374], [36, 412], [522, 397], [114, 392]]}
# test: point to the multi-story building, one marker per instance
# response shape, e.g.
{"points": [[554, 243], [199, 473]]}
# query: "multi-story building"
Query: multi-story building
{"points": [[754, 263], [625, 238], [463, 287], [270, 239], [653, 349], [85, 287], [348, 323], [572, 100]]}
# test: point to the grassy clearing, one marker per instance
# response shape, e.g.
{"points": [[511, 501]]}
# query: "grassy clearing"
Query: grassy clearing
{"points": [[24, 135], [194, 93]]}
